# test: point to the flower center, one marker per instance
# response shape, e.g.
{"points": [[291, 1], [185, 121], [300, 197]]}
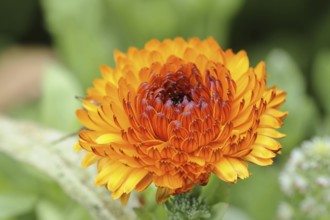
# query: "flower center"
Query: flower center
{"points": [[174, 86], [177, 88]]}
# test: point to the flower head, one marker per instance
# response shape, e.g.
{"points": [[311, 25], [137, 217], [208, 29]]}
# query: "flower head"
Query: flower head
{"points": [[305, 181], [175, 112], [187, 206]]}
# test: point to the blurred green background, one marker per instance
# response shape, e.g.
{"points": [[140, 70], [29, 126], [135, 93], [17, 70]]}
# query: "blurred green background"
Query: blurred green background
{"points": [[50, 51]]}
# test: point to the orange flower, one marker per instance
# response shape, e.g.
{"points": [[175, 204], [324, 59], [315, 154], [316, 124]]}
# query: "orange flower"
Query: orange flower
{"points": [[175, 112]]}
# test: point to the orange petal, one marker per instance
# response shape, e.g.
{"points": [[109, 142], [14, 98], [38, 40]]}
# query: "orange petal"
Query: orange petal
{"points": [[109, 138], [117, 178], [268, 142], [124, 198], [77, 146], [133, 179], [269, 121], [262, 152], [129, 183], [168, 181], [144, 183], [240, 167], [260, 70], [162, 194], [104, 174], [197, 160], [269, 132], [276, 113], [237, 64], [86, 120], [259, 161], [89, 159], [225, 171]]}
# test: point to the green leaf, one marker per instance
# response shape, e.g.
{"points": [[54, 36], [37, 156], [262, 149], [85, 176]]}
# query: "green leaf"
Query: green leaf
{"points": [[220, 14], [321, 78], [149, 196], [215, 191], [84, 40], [286, 75], [58, 105], [159, 212], [143, 214], [303, 120], [235, 213], [294, 44], [46, 210], [28, 111], [77, 213], [13, 204], [87, 40], [218, 210], [321, 30], [258, 195], [323, 129], [15, 176]]}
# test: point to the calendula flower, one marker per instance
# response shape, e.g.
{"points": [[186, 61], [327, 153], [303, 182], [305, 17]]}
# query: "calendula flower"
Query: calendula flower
{"points": [[175, 112]]}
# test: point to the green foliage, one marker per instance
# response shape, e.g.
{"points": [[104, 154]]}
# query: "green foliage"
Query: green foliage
{"points": [[13, 26], [82, 35], [172, 18], [321, 78], [303, 114], [207, 202], [215, 191], [58, 103], [324, 127], [216, 195], [187, 207], [86, 32], [144, 214], [14, 204], [235, 213], [218, 210], [150, 209], [204, 202], [49, 210], [259, 195], [27, 194]]}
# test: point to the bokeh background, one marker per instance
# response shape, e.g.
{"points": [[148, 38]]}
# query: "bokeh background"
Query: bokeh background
{"points": [[50, 52]]}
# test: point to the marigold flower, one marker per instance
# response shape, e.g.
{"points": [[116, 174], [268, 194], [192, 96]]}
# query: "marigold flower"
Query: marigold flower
{"points": [[175, 112]]}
